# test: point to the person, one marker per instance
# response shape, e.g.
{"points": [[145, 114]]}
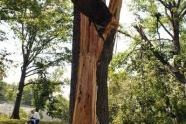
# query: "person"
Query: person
{"points": [[36, 116], [31, 118]]}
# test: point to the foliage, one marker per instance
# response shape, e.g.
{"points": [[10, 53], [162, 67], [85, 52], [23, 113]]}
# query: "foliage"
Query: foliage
{"points": [[4, 62], [43, 90], [27, 98], [161, 26], [57, 107], [7, 92], [147, 81], [2, 91], [43, 29], [23, 114], [41, 36], [142, 91]]}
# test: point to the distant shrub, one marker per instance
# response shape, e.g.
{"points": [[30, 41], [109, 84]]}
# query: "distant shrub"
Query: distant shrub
{"points": [[3, 116], [23, 114]]}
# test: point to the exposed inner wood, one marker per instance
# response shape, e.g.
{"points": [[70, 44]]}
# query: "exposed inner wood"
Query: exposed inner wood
{"points": [[91, 46]]}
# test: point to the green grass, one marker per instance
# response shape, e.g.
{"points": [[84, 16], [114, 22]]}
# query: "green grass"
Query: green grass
{"points": [[24, 121]]}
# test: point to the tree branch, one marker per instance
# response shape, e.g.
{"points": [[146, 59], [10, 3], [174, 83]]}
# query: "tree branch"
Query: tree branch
{"points": [[183, 14], [30, 83], [178, 3], [169, 17], [166, 29], [164, 4], [31, 74], [183, 11], [22, 45], [40, 48], [174, 71], [161, 39], [32, 70]]}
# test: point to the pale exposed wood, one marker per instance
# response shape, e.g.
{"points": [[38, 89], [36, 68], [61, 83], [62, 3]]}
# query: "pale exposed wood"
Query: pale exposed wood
{"points": [[115, 8], [91, 46]]}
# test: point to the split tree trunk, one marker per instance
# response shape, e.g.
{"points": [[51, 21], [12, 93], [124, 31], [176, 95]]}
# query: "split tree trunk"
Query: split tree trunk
{"points": [[90, 49], [91, 46]]}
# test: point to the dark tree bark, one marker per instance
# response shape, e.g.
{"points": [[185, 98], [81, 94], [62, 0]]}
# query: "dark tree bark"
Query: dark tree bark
{"points": [[96, 10], [15, 113], [176, 28], [102, 108], [75, 61], [102, 75]]}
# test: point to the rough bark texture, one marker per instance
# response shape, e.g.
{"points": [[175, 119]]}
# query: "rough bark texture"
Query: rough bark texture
{"points": [[91, 46], [75, 61], [15, 113], [96, 10], [90, 49], [102, 75], [176, 38]]}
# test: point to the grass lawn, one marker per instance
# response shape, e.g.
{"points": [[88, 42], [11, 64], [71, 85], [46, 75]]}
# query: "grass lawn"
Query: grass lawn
{"points": [[24, 121]]}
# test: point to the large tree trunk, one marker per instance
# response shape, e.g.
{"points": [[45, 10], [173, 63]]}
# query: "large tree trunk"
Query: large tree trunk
{"points": [[15, 113], [102, 75], [90, 49], [91, 46], [75, 61]]}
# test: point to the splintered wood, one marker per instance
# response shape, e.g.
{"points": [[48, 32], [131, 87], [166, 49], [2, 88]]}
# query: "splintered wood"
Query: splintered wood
{"points": [[91, 46]]}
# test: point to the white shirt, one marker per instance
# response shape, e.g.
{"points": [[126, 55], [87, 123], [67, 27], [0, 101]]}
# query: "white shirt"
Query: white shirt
{"points": [[36, 115]]}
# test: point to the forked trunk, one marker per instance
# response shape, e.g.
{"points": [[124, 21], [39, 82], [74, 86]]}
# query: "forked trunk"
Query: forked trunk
{"points": [[91, 46]]}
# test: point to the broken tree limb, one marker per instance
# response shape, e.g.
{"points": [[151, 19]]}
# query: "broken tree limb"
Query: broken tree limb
{"points": [[179, 75]]}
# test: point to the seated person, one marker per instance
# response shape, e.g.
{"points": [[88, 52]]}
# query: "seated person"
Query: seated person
{"points": [[36, 116], [32, 120]]}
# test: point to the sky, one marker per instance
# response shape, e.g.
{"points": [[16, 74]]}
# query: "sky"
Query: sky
{"points": [[13, 45]]}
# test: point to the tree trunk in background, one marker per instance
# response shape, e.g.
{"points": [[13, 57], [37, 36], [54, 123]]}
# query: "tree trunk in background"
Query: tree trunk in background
{"points": [[75, 61], [102, 75], [15, 113]]}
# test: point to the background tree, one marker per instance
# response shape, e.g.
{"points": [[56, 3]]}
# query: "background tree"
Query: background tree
{"points": [[149, 73], [141, 91], [7, 92], [163, 31], [41, 36]]}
